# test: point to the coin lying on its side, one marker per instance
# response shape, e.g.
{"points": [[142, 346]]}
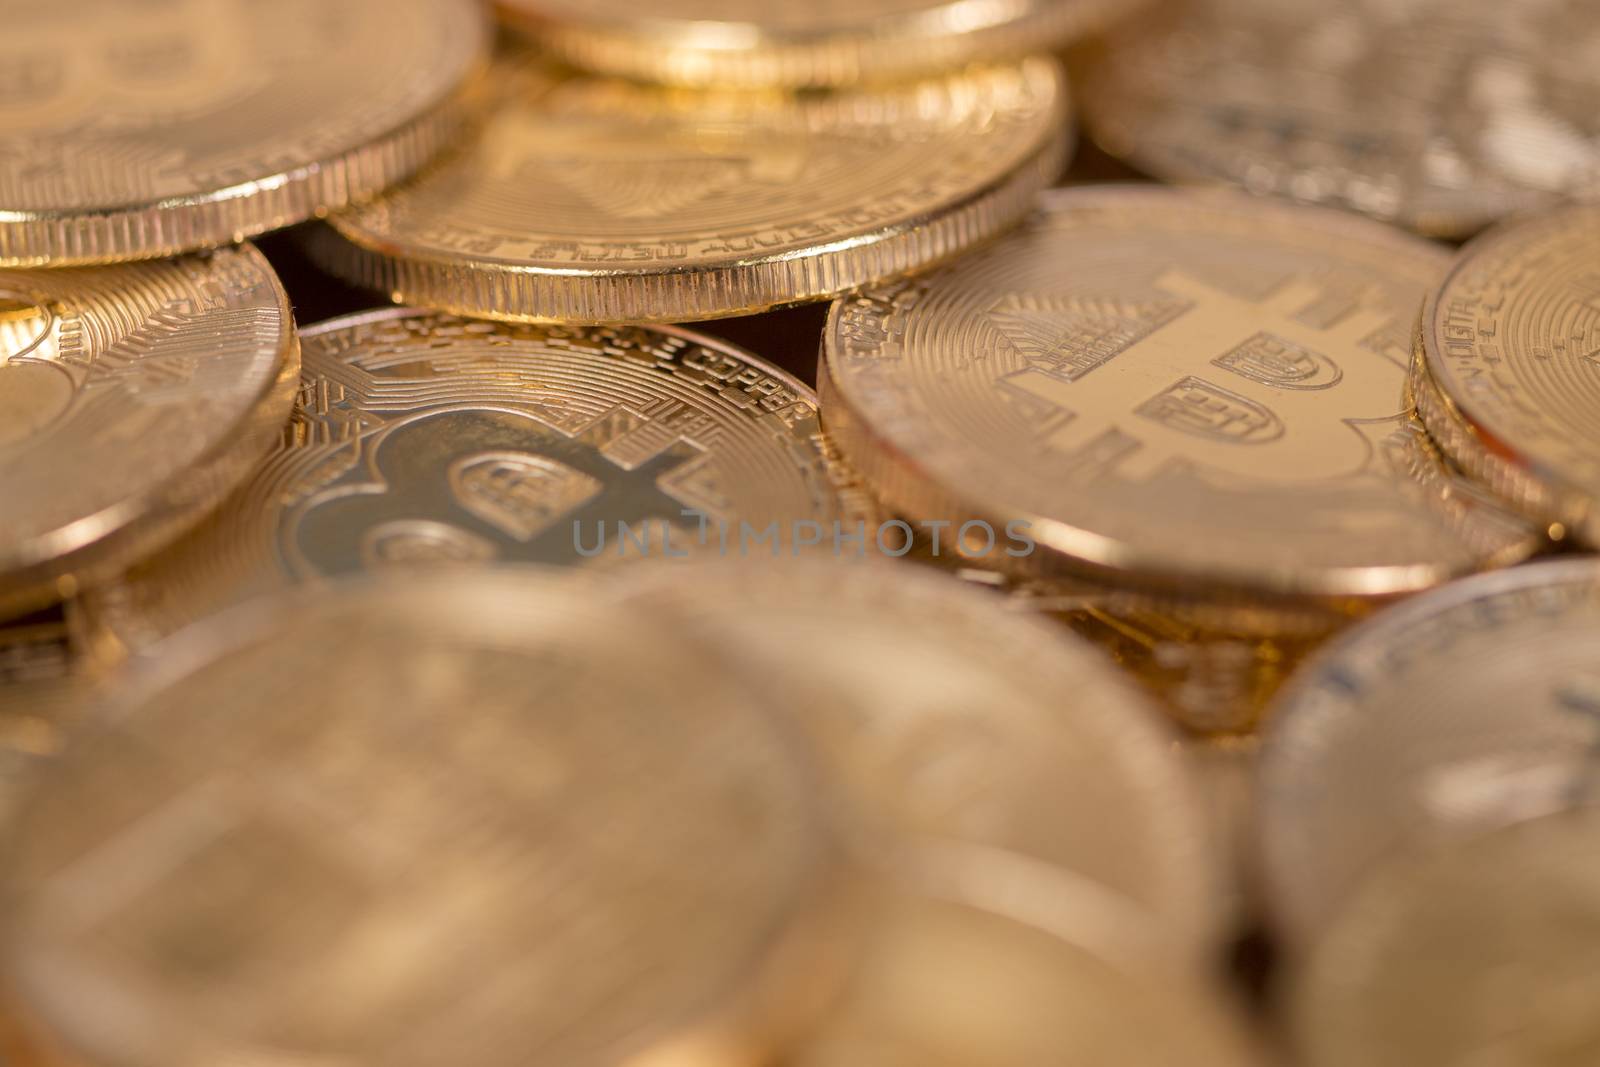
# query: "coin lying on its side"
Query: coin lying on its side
{"points": [[420, 438], [417, 822], [132, 131], [132, 399], [588, 199], [1465, 709], [1507, 375]]}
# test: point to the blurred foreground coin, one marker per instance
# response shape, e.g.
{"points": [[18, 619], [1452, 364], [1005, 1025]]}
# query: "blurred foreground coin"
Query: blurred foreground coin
{"points": [[136, 130], [132, 399], [747, 43], [1441, 115], [421, 438], [1508, 371], [1466, 709], [595, 200], [420, 823]]}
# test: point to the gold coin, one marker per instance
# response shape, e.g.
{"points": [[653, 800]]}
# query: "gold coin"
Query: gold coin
{"points": [[132, 399], [594, 200], [1483, 954], [130, 131], [411, 823], [420, 439], [819, 43], [1468, 708], [943, 717], [1510, 366], [1178, 391], [1442, 115], [945, 984]]}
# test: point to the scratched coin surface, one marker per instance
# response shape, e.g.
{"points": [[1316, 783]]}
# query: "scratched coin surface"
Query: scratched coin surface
{"points": [[415, 822], [1483, 954], [420, 438], [1180, 390], [945, 984], [1441, 115], [945, 718], [1511, 350], [132, 399], [1472, 707], [815, 44], [599, 200], [135, 130]]}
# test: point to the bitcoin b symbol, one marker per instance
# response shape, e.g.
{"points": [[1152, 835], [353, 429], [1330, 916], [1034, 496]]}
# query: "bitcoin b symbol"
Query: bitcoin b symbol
{"points": [[35, 390]]}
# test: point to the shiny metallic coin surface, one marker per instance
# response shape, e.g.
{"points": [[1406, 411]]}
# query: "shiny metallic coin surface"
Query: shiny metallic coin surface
{"points": [[1195, 392], [819, 43], [136, 130], [1441, 115], [943, 717], [1510, 346], [1479, 954], [421, 438], [132, 399], [597, 200], [416, 822], [1466, 709]]}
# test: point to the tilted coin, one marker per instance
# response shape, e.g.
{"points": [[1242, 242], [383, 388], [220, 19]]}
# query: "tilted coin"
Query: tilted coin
{"points": [[1509, 366], [1183, 392], [1442, 115], [594, 200], [1468, 708], [943, 717], [819, 43], [132, 399], [1482, 954], [130, 131], [944, 984], [419, 822], [420, 438]]}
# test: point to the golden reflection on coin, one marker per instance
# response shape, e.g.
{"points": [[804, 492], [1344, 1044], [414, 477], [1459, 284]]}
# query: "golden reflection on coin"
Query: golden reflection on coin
{"points": [[944, 717], [819, 43], [1468, 708], [1484, 954], [418, 822], [1510, 360], [944, 984], [132, 399], [420, 439], [595, 200], [136, 130], [1181, 391], [1441, 115]]}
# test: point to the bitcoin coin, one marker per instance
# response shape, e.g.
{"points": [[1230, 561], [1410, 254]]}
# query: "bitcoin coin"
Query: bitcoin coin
{"points": [[1482, 954], [595, 200], [943, 717], [1442, 115], [1468, 708], [417, 822], [1195, 393], [1509, 367], [821, 43], [945, 984], [132, 399], [420, 439], [130, 131]]}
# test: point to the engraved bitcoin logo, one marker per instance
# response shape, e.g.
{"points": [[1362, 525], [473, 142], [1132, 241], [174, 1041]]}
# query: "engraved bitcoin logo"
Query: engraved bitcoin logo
{"points": [[471, 485], [1205, 378], [35, 390]]}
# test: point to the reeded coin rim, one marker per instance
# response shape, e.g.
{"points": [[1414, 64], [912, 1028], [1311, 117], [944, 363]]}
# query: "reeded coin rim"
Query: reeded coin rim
{"points": [[746, 54], [95, 549], [1073, 552]]}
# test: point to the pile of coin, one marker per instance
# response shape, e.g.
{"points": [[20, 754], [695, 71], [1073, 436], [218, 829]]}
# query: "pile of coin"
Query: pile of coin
{"points": [[495, 669]]}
